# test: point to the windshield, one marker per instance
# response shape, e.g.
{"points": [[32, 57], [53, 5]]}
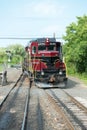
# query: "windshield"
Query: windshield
{"points": [[43, 47]]}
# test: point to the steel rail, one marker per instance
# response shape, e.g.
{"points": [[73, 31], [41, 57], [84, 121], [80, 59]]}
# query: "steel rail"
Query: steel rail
{"points": [[58, 109], [81, 106], [26, 110]]}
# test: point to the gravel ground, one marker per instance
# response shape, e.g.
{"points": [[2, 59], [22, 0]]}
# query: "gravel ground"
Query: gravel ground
{"points": [[77, 89], [12, 112], [12, 76]]}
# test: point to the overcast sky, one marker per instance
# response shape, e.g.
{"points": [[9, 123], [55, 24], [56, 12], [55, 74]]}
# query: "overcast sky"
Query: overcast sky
{"points": [[37, 18]]}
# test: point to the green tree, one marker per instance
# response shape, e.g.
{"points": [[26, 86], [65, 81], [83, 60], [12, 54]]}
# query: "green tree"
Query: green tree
{"points": [[3, 55], [17, 52], [75, 48]]}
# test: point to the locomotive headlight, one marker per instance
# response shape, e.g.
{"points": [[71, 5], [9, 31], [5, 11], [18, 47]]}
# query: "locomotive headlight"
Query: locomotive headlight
{"points": [[60, 73], [42, 73]]}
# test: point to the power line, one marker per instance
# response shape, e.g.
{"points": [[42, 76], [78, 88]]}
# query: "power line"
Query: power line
{"points": [[23, 38], [15, 38]]}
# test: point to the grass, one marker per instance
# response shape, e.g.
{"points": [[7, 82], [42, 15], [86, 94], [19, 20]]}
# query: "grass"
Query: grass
{"points": [[1, 68], [82, 77]]}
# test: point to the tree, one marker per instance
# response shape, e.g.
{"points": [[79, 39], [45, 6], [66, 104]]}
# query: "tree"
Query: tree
{"points": [[75, 48], [17, 52], [3, 56]]}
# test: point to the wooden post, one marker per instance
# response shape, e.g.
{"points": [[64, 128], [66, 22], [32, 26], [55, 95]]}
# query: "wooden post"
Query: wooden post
{"points": [[4, 78]]}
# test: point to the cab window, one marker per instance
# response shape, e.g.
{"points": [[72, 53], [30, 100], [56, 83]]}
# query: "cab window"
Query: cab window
{"points": [[33, 49]]}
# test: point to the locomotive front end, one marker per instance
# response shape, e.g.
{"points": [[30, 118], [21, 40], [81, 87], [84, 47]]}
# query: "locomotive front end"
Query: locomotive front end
{"points": [[50, 67]]}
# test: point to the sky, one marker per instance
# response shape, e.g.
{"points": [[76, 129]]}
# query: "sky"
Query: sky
{"points": [[37, 18]]}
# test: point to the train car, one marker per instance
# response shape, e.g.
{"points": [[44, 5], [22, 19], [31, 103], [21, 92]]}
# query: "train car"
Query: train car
{"points": [[44, 61]]}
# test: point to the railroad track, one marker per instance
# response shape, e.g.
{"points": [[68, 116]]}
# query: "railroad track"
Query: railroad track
{"points": [[13, 110], [73, 111], [16, 110], [29, 107]]}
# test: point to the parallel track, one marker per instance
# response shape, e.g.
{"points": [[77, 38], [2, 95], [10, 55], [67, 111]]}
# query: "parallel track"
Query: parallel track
{"points": [[72, 109]]}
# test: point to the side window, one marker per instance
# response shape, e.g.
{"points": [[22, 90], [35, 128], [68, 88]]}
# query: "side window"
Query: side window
{"points": [[33, 49], [59, 49], [61, 55]]}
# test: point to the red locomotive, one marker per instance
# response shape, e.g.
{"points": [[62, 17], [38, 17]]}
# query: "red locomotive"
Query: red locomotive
{"points": [[44, 60]]}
